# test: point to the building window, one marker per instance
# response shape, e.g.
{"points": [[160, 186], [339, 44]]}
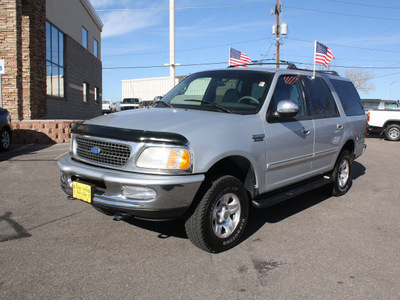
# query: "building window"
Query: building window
{"points": [[95, 48], [85, 91], [55, 69], [96, 95], [84, 37]]}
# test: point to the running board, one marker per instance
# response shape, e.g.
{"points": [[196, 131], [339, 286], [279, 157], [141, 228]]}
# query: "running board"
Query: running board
{"points": [[283, 194]]}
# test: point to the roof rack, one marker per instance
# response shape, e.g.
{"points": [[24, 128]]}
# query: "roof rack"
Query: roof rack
{"points": [[290, 66]]}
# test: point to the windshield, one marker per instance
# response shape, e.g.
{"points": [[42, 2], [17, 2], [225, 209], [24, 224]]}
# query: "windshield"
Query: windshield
{"points": [[130, 100], [236, 91]]}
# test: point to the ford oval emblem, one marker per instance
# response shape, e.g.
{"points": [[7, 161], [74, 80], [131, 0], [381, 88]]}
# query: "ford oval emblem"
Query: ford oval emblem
{"points": [[95, 150]]}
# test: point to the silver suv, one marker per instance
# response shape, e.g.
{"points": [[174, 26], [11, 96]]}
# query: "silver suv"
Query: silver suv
{"points": [[220, 142]]}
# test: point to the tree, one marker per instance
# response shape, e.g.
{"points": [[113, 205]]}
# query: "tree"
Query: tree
{"points": [[361, 79]]}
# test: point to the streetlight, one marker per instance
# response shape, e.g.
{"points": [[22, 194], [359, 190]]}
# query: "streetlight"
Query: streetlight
{"points": [[390, 90]]}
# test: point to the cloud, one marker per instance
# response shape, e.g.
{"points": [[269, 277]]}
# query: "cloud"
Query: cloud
{"points": [[108, 3], [123, 22]]}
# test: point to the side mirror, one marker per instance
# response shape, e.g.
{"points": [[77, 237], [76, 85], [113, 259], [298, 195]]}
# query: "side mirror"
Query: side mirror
{"points": [[286, 109]]}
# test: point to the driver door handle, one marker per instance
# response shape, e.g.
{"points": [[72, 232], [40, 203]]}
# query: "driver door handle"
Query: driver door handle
{"points": [[306, 132]]}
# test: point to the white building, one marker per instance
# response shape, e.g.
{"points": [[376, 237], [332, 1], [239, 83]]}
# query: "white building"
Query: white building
{"points": [[147, 88]]}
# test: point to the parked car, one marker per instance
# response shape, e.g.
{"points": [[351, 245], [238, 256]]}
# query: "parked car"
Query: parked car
{"points": [[130, 103], [220, 142], [5, 129], [387, 121], [107, 106], [370, 104]]}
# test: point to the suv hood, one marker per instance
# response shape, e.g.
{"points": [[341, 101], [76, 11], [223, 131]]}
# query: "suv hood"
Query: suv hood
{"points": [[181, 121]]}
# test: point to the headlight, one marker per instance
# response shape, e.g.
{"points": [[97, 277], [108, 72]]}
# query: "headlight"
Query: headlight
{"points": [[164, 158]]}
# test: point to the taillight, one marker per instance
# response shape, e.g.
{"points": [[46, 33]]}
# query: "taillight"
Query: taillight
{"points": [[368, 117]]}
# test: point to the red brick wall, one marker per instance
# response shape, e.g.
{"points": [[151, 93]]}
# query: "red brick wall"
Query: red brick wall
{"points": [[42, 131]]}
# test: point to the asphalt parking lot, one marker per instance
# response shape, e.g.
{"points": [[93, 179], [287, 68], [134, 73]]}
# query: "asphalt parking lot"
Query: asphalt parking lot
{"points": [[310, 247]]}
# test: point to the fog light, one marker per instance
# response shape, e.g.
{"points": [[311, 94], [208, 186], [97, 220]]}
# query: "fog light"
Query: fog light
{"points": [[63, 178], [138, 193]]}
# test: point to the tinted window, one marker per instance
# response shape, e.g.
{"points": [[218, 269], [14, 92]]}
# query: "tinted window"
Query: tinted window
{"points": [[348, 97], [321, 100], [287, 88]]}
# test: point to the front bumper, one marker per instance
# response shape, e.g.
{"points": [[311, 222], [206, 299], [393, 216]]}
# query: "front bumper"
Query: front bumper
{"points": [[173, 194]]}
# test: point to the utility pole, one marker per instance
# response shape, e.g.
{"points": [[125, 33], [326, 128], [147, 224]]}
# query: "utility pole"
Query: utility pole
{"points": [[278, 29], [172, 42]]}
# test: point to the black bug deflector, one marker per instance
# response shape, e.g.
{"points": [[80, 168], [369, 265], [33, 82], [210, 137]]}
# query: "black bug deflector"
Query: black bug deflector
{"points": [[133, 135]]}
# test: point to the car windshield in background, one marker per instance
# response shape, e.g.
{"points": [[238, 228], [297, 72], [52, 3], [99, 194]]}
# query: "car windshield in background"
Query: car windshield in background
{"points": [[130, 101], [236, 91]]}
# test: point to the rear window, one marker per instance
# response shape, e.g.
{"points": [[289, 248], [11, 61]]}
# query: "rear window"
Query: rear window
{"points": [[349, 97], [131, 100]]}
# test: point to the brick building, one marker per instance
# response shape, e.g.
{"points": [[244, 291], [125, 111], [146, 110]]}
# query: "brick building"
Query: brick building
{"points": [[51, 50]]}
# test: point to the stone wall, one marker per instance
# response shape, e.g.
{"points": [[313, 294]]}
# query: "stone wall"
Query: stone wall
{"points": [[33, 59], [42, 131], [10, 51]]}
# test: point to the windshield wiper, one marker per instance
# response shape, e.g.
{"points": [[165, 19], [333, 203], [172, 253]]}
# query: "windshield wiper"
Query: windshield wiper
{"points": [[211, 103], [165, 103]]}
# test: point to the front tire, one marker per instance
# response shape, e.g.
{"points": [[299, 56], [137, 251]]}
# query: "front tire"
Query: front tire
{"points": [[392, 132], [5, 139], [220, 217]]}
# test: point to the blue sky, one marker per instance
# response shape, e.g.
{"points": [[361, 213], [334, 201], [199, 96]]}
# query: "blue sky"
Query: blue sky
{"points": [[360, 33]]}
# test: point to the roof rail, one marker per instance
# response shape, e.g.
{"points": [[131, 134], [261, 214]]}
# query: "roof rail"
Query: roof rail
{"points": [[289, 65], [260, 63]]}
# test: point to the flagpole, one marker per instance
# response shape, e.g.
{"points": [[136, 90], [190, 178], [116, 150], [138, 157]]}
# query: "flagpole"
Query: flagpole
{"points": [[315, 51], [229, 57]]}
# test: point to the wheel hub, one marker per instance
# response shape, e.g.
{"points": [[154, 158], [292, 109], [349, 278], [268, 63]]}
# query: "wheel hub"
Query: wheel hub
{"points": [[226, 215], [394, 133], [343, 173]]}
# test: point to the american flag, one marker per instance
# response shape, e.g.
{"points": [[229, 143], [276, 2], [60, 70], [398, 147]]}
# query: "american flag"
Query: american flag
{"points": [[238, 58], [291, 79], [323, 54]]}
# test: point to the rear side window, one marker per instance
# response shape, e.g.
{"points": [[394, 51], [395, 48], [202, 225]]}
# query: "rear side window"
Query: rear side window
{"points": [[322, 103], [349, 97]]}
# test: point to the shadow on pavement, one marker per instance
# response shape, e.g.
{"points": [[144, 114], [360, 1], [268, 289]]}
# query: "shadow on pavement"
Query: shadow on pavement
{"points": [[22, 149], [257, 218]]}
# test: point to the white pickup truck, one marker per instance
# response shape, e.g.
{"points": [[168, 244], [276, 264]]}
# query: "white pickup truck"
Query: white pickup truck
{"points": [[386, 120]]}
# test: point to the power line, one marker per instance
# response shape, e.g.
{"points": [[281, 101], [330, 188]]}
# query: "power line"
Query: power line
{"points": [[190, 49], [226, 63], [163, 66], [343, 14], [363, 4], [182, 8], [351, 47]]}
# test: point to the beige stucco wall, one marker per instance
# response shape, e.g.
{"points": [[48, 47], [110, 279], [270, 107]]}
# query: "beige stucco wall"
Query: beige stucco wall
{"points": [[70, 15]]}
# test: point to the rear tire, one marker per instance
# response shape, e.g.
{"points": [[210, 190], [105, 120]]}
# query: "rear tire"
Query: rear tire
{"points": [[392, 132], [219, 219], [342, 174]]}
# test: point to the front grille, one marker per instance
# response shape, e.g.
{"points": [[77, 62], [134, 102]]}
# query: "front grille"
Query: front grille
{"points": [[112, 154]]}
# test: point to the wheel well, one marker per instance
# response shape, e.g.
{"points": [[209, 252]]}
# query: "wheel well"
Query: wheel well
{"points": [[237, 166], [349, 145], [6, 127], [391, 122]]}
